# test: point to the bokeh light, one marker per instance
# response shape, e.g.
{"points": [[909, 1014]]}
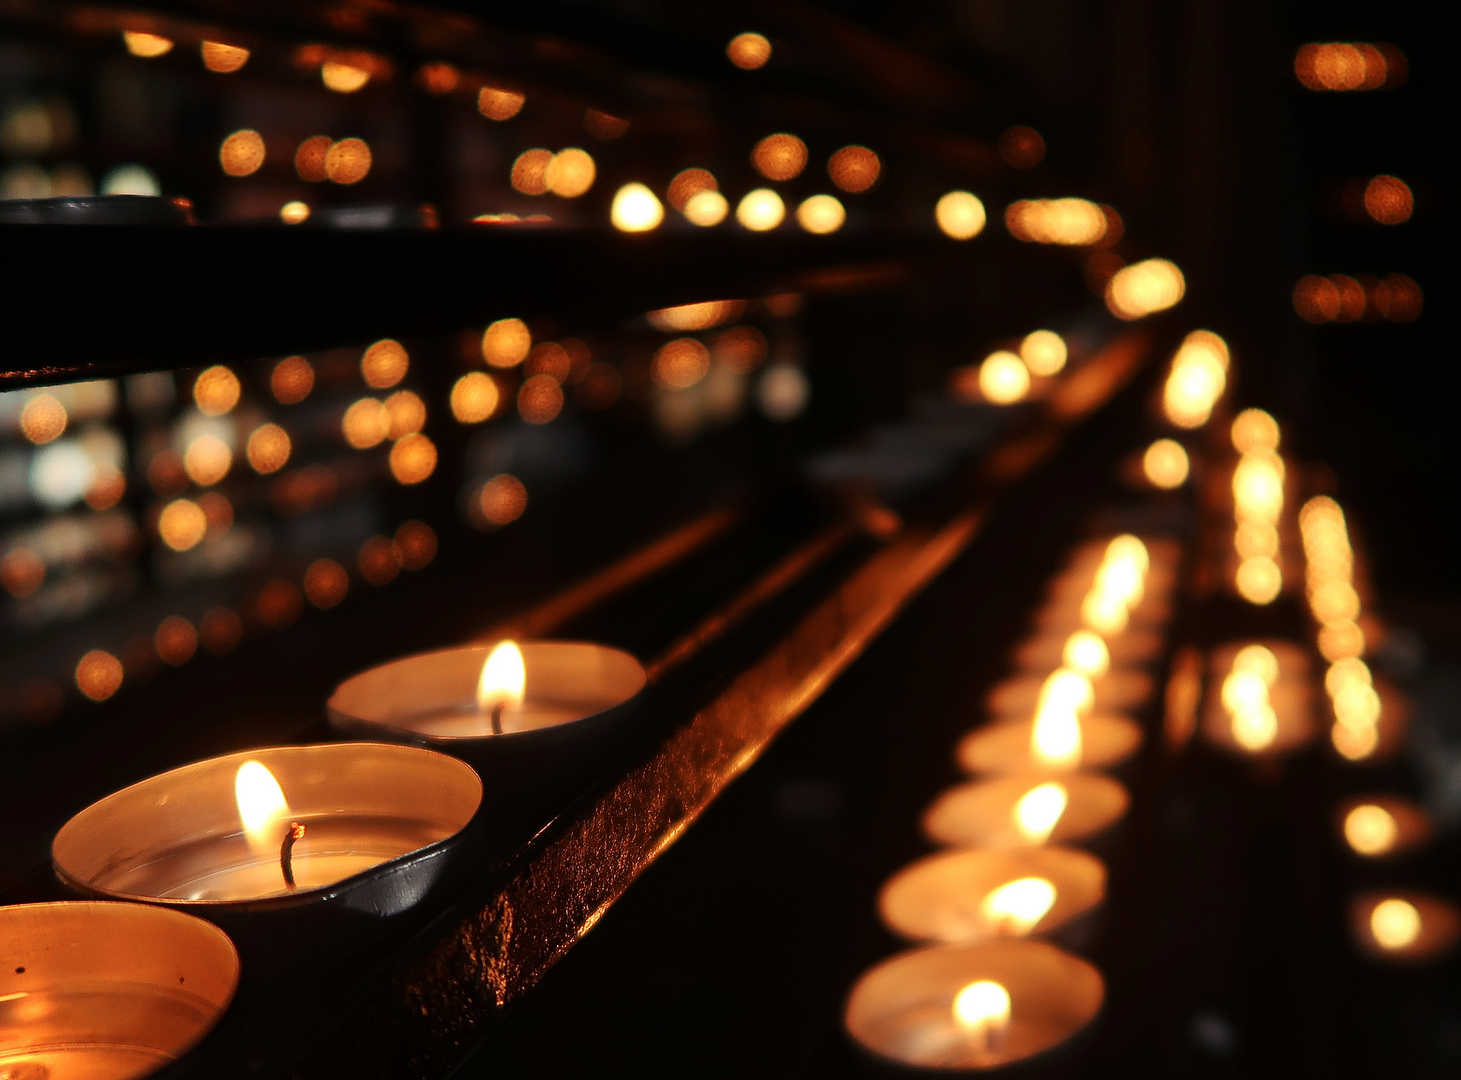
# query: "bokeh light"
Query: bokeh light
{"points": [[761, 210], [207, 460], [294, 212], [216, 391], [242, 153], [292, 380], [21, 572], [497, 103], [1044, 352], [99, 675], [540, 399], [379, 560], [407, 412], [365, 424], [147, 46], [348, 161], [1254, 429], [417, 543], [1145, 288], [780, 157], [1003, 378], [506, 343], [854, 169], [325, 583], [279, 604], [570, 173], [413, 459], [220, 630], [821, 214], [635, 209], [1165, 464], [384, 364], [748, 51], [706, 208], [680, 363], [176, 640], [182, 524], [474, 397], [1069, 222], [343, 78], [309, 158], [502, 500], [43, 419], [688, 183], [602, 125], [1388, 200], [1259, 580], [530, 171], [960, 215], [268, 449], [1347, 66]]}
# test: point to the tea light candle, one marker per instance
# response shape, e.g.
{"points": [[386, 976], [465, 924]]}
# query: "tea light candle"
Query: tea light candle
{"points": [[276, 827], [104, 990], [1047, 651], [1382, 826], [973, 1007], [1262, 706], [1404, 926], [1112, 691], [1024, 811], [1056, 742], [455, 695], [970, 895]]}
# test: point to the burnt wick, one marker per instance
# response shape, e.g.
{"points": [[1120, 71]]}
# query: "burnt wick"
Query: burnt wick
{"points": [[292, 835], [497, 717]]}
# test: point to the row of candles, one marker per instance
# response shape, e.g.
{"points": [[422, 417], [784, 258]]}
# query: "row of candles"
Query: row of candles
{"points": [[118, 986], [1264, 706], [981, 993]]}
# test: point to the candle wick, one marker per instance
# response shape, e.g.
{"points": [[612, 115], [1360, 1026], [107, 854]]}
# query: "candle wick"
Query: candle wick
{"points": [[294, 833], [497, 717]]}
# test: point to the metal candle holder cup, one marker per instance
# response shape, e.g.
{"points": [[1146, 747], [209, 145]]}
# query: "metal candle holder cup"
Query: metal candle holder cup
{"points": [[902, 1009], [378, 820], [106, 990], [432, 697]]}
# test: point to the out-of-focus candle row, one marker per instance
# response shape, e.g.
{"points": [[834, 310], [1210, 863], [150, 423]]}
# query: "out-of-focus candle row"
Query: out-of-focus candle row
{"points": [[983, 995]]}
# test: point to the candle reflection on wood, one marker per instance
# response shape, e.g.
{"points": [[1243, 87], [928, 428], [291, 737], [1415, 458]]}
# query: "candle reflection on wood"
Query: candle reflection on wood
{"points": [[105, 991]]}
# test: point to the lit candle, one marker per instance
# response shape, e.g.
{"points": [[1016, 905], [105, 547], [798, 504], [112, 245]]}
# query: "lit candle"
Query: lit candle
{"points": [[969, 895], [1047, 650], [1404, 926], [1383, 826], [1263, 705], [1023, 811], [368, 822], [480, 693], [978, 1006], [107, 990], [1109, 691], [1055, 742]]}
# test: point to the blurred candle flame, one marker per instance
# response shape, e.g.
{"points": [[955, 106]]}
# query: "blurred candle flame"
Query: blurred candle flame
{"points": [[982, 1011], [1394, 923], [1014, 908], [1039, 810], [1370, 829], [1055, 742]]}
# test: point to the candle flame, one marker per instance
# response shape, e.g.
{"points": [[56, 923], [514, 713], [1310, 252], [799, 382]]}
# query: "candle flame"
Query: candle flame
{"points": [[1104, 613], [1055, 742], [1370, 829], [1255, 729], [1259, 660], [1394, 923], [262, 808], [1039, 810], [1087, 654], [1066, 689], [1014, 908], [982, 1010], [1245, 696], [503, 679]]}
